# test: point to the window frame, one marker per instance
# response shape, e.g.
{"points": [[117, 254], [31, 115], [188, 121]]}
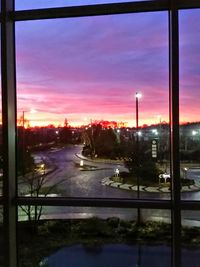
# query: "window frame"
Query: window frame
{"points": [[10, 199]]}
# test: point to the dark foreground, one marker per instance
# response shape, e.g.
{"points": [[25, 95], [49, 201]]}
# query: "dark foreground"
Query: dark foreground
{"points": [[74, 243]]}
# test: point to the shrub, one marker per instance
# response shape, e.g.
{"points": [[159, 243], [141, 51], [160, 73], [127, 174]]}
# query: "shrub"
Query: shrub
{"points": [[113, 222], [92, 227], [147, 171]]}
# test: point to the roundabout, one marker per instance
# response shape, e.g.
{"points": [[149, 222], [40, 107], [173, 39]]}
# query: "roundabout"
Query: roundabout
{"points": [[156, 189]]}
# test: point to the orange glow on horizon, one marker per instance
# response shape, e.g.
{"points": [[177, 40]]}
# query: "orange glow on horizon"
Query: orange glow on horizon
{"points": [[78, 124], [42, 120], [56, 124]]}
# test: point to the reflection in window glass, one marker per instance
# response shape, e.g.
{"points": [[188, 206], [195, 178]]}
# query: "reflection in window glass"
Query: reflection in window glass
{"points": [[189, 103], [190, 238], [34, 4], [29, 213], [99, 238], [77, 107]]}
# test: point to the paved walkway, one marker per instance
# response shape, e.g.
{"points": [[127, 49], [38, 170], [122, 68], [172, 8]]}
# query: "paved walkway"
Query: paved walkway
{"points": [[159, 189]]}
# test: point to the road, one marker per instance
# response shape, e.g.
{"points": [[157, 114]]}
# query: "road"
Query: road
{"points": [[78, 183], [74, 182]]}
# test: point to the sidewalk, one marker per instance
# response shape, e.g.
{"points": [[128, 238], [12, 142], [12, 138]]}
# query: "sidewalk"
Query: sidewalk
{"points": [[148, 189]]}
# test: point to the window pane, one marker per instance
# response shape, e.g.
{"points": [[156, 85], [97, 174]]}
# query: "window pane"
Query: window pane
{"points": [[77, 107], [34, 4], [190, 238], [95, 239], [189, 103]]}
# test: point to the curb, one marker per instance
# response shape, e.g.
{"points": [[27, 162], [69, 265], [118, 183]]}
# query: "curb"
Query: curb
{"points": [[98, 161], [147, 189]]}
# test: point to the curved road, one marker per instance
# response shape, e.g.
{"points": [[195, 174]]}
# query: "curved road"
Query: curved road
{"points": [[77, 183]]}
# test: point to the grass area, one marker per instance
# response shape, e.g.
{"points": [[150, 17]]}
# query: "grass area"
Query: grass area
{"points": [[52, 235]]}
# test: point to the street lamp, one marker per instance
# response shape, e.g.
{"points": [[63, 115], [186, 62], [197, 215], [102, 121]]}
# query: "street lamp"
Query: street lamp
{"points": [[43, 168], [31, 111], [194, 132], [137, 97]]}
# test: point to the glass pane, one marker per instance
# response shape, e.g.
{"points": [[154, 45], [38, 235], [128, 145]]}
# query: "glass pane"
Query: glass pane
{"points": [[189, 104], [77, 106], [34, 4], [94, 239], [190, 238]]}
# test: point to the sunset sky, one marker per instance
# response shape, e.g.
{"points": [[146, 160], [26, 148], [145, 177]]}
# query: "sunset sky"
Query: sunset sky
{"points": [[32, 4], [90, 68]]}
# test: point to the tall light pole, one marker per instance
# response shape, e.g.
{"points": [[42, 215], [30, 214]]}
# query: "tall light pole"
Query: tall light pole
{"points": [[160, 142], [137, 96], [23, 138], [23, 142]]}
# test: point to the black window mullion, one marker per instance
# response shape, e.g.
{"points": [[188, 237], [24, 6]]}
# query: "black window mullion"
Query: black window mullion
{"points": [[174, 132], [91, 10], [185, 4], [9, 132], [95, 202]]}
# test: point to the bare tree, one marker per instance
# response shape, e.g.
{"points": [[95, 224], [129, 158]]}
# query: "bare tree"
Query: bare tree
{"points": [[36, 185]]}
